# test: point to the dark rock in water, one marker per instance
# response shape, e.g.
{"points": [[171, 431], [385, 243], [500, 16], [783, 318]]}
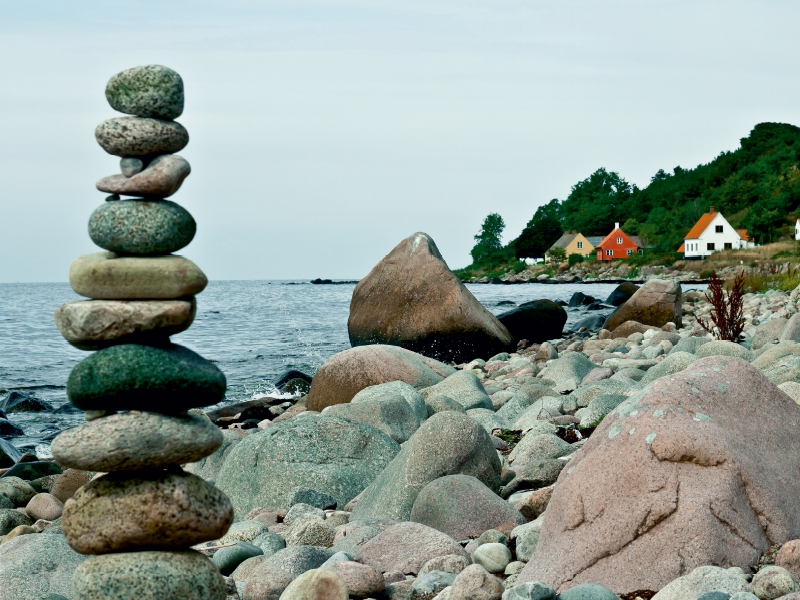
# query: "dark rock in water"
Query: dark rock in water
{"points": [[23, 402], [580, 299], [66, 409], [289, 375], [621, 293], [592, 323], [135, 377], [496, 281], [28, 457], [9, 430], [249, 409], [596, 305], [506, 303], [8, 454], [141, 227], [147, 91], [319, 281], [29, 471], [297, 386], [2, 415], [536, 321], [412, 299], [560, 302]]}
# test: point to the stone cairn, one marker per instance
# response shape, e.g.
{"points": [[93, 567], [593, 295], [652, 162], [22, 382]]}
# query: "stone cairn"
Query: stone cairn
{"points": [[141, 517]]}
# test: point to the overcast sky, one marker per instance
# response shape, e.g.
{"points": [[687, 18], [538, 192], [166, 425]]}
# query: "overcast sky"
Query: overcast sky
{"points": [[322, 133]]}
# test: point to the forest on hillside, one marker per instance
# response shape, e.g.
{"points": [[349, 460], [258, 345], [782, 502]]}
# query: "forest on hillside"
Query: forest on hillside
{"points": [[756, 187]]}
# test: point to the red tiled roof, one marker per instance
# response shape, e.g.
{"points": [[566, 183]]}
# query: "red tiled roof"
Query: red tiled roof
{"points": [[743, 234], [701, 225], [682, 248]]}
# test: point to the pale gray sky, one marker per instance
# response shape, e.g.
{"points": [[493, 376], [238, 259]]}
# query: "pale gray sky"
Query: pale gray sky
{"points": [[322, 133]]}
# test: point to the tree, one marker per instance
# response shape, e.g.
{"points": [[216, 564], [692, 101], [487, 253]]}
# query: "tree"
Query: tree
{"points": [[557, 255], [541, 232], [594, 204], [488, 239]]}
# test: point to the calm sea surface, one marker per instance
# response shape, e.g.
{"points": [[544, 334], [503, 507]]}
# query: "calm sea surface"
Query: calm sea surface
{"points": [[253, 330]]}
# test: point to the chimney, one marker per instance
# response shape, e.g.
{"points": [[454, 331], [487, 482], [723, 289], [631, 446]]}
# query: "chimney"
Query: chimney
{"points": [[711, 209], [616, 225], [574, 232]]}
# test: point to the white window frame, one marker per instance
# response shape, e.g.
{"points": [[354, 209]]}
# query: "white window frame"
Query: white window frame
{"points": [[619, 240], [609, 252], [630, 251], [580, 245]]}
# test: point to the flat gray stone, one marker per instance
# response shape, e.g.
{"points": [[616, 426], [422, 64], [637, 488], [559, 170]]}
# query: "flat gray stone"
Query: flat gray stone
{"points": [[136, 440], [136, 136]]}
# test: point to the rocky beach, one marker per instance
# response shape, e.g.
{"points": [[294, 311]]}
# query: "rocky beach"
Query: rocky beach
{"points": [[601, 447]]}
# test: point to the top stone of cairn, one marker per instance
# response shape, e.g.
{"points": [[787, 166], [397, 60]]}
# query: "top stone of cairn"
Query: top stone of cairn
{"points": [[148, 91]]}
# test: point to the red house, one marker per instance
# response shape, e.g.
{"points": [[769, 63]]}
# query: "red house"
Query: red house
{"points": [[616, 245]]}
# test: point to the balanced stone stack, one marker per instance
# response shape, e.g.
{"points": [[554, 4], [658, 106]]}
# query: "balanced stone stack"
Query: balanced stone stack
{"points": [[142, 516]]}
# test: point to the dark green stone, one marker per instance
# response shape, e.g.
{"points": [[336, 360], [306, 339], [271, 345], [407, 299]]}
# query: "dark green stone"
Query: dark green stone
{"points": [[33, 470], [147, 91], [141, 227], [135, 377]]}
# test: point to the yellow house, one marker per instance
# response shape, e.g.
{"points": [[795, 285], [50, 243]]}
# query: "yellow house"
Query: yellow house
{"points": [[575, 243]]}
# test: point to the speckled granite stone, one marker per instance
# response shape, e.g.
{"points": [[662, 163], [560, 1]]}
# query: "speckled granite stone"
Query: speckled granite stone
{"points": [[147, 91], [136, 377], [137, 136], [141, 227]]}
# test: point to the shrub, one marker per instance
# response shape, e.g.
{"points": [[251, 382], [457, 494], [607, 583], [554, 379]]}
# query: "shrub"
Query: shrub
{"points": [[575, 259], [706, 273], [727, 320]]}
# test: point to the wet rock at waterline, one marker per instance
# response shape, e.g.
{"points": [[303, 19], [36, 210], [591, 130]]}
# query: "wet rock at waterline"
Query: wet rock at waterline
{"points": [[149, 575], [97, 324], [656, 303], [137, 377], [687, 453], [107, 276], [147, 91], [135, 136], [148, 509], [412, 299], [536, 321], [136, 440], [141, 227], [161, 178]]}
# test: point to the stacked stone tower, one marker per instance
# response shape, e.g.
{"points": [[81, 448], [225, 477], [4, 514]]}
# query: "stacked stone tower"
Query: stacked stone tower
{"points": [[141, 517]]}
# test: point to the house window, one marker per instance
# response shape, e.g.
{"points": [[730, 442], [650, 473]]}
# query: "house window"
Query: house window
{"points": [[710, 246], [728, 246], [609, 253], [718, 229], [630, 251], [580, 245], [619, 240]]}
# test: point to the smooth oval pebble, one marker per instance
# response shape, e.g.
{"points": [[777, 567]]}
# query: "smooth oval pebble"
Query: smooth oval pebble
{"points": [[137, 136], [137, 377], [141, 226], [148, 575], [128, 511], [97, 324], [147, 91], [107, 276], [136, 440], [316, 584], [161, 178]]}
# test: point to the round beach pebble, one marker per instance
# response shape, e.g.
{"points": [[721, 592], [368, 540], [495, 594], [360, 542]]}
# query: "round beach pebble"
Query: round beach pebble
{"points": [[493, 557], [107, 276], [148, 575], [137, 377], [44, 506], [147, 91], [141, 227], [97, 324], [162, 177], [316, 584], [136, 136], [362, 581], [135, 440], [148, 509]]}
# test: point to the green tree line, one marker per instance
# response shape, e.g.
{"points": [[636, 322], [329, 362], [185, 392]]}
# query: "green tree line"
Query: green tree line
{"points": [[756, 187]]}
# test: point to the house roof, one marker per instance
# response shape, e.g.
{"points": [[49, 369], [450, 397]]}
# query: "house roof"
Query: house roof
{"points": [[594, 240], [564, 240], [702, 224], [614, 233], [682, 248], [743, 234]]}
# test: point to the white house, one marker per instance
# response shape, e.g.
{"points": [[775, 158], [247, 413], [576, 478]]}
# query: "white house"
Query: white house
{"points": [[713, 233], [797, 230]]}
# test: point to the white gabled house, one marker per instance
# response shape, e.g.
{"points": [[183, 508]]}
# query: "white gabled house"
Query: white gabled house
{"points": [[712, 233], [797, 230]]}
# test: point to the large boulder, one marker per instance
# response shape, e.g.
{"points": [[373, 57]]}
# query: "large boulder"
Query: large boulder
{"points": [[656, 303], [32, 566], [688, 454], [464, 387], [536, 321], [336, 456], [392, 415], [412, 299], [622, 293], [448, 443], [462, 507], [348, 372]]}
